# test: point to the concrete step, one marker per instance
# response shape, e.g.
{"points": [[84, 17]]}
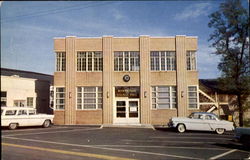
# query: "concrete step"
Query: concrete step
{"points": [[127, 126]]}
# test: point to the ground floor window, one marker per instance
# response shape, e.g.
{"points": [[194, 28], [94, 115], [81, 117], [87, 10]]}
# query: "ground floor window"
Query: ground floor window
{"points": [[192, 97], [89, 98], [60, 98], [164, 97], [30, 101], [3, 98], [19, 103]]}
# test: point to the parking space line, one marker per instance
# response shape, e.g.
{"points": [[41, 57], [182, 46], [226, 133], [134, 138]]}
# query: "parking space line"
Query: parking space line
{"points": [[171, 137], [152, 141], [82, 154], [192, 148], [23, 134], [103, 148], [223, 154]]}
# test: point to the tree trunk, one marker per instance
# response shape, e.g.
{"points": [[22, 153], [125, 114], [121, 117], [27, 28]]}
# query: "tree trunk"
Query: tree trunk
{"points": [[240, 110]]}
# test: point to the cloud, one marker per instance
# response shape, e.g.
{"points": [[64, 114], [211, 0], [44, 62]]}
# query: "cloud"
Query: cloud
{"points": [[193, 11], [117, 14], [207, 62]]}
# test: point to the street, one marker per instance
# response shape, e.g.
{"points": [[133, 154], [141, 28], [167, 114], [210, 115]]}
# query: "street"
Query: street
{"points": [[85, 142]]}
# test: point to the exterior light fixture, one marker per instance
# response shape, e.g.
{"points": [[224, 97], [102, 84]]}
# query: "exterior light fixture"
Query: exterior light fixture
{"points": [[107, 94], [182, 93], [145, 94]]}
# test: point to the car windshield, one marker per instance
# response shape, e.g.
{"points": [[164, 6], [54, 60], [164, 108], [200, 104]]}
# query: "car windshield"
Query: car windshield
{"points": [[191, 115]]}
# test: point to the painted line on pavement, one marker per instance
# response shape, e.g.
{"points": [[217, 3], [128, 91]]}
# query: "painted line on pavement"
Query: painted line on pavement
{"points": [[151, 141], [23, 134], [191, 148], [188, 138], [103, 148], [82, 154], [223, 154]]}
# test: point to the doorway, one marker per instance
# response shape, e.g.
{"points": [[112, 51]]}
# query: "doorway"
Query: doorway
{"points": [[126, 111]]}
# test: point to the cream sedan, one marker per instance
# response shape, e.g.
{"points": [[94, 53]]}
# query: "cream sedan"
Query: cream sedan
{"points": [[202, 121]]}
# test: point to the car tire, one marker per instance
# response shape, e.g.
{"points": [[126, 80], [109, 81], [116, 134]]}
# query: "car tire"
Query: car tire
{"points": [[219, 130], [13, 126], [181, 128], [46, 123]]}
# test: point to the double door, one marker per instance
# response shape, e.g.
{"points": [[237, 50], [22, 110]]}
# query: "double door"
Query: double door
{"points": [[126, 111]]}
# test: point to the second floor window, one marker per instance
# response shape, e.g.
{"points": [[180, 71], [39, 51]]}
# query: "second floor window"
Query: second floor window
{"points": [[127, 61], [89, 61], [191, 60], [60, 61], [162, 61]]}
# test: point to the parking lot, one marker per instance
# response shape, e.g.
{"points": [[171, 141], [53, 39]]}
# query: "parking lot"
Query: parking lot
{"points": [[83, 142]]}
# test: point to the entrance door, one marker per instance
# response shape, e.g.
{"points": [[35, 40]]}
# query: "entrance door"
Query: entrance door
{"points": [[126, 111]]}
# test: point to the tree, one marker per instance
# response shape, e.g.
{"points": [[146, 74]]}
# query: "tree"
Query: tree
{"points": [[231, 41]]}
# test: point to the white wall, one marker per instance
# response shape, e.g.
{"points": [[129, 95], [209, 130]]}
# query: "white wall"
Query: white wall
{"points": [[18, 88]]}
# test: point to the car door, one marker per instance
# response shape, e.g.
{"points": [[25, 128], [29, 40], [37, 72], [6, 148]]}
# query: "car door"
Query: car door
{"points": [[34, 119], [196, 122], [209, 122], [22, 117]]}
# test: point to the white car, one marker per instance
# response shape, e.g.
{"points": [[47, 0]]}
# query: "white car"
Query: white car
{"points": [[14, 117], [202, 121]]}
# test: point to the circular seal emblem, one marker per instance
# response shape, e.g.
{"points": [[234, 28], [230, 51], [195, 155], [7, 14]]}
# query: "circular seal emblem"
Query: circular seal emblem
{"points": [[126, 78]]}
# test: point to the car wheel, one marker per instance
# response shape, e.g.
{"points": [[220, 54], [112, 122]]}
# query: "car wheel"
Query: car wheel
{"points": [[13, 126], [46, 123], [181, 128], [220, 130]]}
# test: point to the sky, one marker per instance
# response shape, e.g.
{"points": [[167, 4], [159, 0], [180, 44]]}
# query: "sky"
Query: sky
{"points": [[28, 27]]}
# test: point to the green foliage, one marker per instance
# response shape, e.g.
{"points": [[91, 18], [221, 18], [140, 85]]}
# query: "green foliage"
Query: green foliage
{"points": [[231, 41]]}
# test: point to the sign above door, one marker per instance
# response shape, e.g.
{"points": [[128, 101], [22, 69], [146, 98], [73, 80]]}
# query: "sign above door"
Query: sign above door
{"points": [[127, 91]]}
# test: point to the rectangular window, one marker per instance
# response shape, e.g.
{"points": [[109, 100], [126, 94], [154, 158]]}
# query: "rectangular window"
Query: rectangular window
{"points": [[89, 98], [127, 61], [29, 101], [162, 61], [89, 61], [164, 97], [60, 61], [60, 98], [192, 97], [191, 60], [3, 98]]}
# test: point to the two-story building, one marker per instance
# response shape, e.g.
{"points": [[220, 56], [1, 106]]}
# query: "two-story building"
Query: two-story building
{"points": [[124, 80]]}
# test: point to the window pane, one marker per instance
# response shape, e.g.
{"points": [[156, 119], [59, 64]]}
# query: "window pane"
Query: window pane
{"points": [[89, 89]]}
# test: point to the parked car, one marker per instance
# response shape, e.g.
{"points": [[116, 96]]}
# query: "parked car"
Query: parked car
{"points": [[14, 117], [242, 135], [202, 121]]}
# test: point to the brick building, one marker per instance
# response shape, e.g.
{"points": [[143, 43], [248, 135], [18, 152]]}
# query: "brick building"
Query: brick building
{"points": [[124, 80]]}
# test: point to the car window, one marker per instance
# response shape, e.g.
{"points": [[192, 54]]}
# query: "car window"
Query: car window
{"points": [[10, 112], [1, 111], [22, 112], [209, 117], [32, 112], [194, 116], [200, 116]]}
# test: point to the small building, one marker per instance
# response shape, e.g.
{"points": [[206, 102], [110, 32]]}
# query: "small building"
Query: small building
{"points": [[223, 103], [124, 80], [24, 88]]}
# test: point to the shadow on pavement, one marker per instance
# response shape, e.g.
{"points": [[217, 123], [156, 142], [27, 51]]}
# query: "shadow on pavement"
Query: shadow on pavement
{"points": [[233, 145]]}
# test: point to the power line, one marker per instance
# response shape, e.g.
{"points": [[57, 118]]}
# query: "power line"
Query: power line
{"points": [[42, 13]]}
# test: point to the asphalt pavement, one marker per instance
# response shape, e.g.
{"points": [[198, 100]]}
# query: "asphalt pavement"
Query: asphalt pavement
{"points": [[88, 143]]}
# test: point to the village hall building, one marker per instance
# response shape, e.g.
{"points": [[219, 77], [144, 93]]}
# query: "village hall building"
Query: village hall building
{"points": [[124, 80]]}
